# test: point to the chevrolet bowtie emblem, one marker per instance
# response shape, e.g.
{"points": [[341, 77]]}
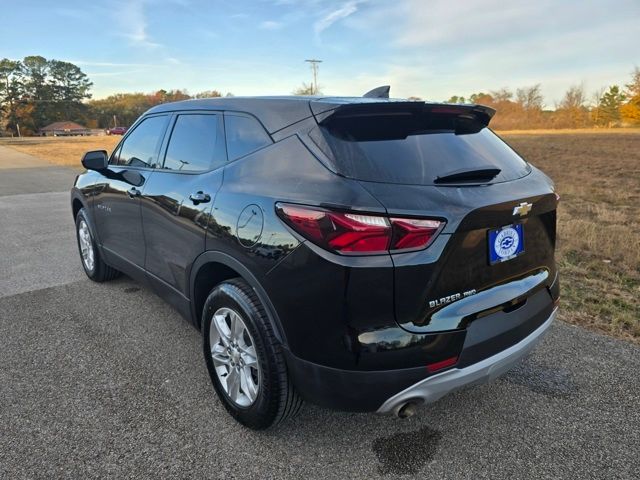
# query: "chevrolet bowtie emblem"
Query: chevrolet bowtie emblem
{"points": [[522, 209]]}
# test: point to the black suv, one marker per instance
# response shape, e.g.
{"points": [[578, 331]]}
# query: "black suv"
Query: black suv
{"points": [[364, 254]]}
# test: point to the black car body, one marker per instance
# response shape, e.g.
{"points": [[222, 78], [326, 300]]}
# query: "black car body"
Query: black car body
{"points": [[362, 226]]}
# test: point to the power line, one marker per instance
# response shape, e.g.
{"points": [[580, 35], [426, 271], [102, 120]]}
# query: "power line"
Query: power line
{"points": [[314, 67]]}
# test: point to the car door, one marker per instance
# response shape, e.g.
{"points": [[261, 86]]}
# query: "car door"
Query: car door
{"points": [[118, 192], [178, 198]]}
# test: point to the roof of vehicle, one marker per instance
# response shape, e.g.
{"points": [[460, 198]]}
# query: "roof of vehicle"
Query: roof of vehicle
{"points": [[278, 112]]}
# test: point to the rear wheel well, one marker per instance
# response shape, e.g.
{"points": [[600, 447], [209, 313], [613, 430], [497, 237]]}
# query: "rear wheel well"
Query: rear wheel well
{"points": [[76, 206], [209, 275]]}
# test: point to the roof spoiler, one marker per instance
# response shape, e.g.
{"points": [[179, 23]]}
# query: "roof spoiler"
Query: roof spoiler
{"points": [[480, 114], [378, 92]]}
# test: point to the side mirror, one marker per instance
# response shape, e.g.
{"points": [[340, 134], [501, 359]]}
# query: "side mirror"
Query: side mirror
{"points": [[95, 160]]}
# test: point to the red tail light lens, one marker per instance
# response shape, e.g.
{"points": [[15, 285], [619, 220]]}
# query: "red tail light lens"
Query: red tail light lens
{"points": [[355, 233], [413, 232], [342, 232]]}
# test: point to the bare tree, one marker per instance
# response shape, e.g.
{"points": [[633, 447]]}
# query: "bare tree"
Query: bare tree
{"points": [[208, 94], [633, 88], [595, 102], [571, 110], [574, 98], [502, 95], [305, 89], [530, 98]]}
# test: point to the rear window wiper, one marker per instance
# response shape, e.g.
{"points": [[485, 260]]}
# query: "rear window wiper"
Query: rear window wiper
{"points": [[468, 175]]}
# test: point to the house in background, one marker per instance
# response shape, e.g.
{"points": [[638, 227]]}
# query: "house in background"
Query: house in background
{"points": [[59, 129]]}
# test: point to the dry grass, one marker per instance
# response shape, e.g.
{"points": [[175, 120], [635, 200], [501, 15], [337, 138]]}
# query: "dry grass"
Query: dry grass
{"points": [[62, 150], [598, 177], [597, 174], [565, 131]]}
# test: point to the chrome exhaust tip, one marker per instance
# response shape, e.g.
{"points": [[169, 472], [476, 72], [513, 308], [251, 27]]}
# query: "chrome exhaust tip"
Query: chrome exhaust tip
{"points": [[407, 410]]}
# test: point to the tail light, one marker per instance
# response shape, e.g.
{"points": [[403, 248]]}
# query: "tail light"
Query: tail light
{"points": [[356, 233], [410, 233]]}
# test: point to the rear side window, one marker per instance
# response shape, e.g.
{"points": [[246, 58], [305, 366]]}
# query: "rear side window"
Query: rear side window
{"points": [[195, 144], [413, 149], [140, 148], [244, 135]]}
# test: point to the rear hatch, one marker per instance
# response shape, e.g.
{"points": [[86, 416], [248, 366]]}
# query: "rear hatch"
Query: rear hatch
{"points": [[443, 162]]}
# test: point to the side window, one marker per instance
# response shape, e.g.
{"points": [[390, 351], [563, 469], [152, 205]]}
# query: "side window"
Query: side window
{"points": [[141, 146], [244, 135], [195, 144]]}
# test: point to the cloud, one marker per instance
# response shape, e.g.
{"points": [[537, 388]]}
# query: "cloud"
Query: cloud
{"points": [[271, 25], [347, 9], [438, 24], [434, 51], [133, 25]]}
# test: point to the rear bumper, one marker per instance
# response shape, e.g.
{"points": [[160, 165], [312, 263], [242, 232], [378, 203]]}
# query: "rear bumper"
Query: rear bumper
{"points": [[385, 391], [434, 387]]}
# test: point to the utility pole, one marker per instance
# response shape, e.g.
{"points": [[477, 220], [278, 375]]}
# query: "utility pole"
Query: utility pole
{"points": [[314, 67]]}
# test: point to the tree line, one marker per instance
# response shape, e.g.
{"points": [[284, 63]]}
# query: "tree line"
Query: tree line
{"points": [[525, 108], [35, 92], [124, 108]]}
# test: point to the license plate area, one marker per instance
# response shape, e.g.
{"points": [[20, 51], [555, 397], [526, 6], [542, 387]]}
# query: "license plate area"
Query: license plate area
{"points": [[506, 243]]}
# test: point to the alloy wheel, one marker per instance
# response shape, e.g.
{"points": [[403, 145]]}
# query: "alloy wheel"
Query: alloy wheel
{"points": [[234, 357], [86, 246]]}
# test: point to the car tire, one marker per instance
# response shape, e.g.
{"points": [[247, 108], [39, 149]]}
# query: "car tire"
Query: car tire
{"points": [[90, 257], [260, 367]]}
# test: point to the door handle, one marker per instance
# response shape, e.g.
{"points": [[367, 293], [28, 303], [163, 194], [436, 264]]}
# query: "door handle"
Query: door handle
{"points": [[199, 197], [133, 192]]}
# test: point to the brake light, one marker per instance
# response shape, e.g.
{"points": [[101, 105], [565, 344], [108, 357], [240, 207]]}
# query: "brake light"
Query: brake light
{"points": [[414, 233], [452, 110], [356, 233]]}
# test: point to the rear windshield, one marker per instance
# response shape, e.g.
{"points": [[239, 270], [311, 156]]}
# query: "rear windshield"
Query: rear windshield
{"points": [[406, 149]]}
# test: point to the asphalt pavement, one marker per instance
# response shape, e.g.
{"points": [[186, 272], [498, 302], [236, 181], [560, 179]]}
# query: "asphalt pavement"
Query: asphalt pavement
{"points": [[106, 380]]}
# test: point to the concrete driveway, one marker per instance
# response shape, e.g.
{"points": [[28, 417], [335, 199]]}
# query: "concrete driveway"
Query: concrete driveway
{"points": [[108, 381]]}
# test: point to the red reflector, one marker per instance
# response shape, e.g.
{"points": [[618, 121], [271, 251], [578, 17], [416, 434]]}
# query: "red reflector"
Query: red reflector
{"points": [[434, 367], [356, 233]]}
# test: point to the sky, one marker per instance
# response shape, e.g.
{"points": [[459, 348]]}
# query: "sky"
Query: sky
{"points": [[432, 49]]}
